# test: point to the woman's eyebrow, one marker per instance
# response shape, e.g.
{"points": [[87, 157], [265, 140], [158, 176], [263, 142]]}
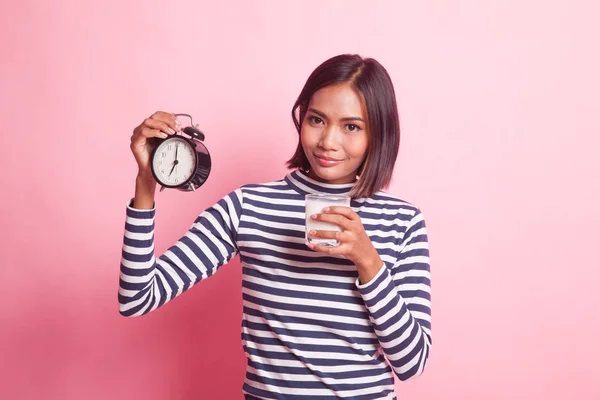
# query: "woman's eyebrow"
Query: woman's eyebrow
{"points": [[322, 115], [319, 113], [352, 119]]}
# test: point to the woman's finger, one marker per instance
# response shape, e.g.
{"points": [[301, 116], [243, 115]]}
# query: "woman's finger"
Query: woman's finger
{"points": [[168, 118], [141, 133], [337, 235], [148, 133], [341, 249], [345, 211], [160, 125]]}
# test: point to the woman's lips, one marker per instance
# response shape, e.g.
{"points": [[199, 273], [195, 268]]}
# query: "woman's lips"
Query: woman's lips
{"points": [[327, 161]]}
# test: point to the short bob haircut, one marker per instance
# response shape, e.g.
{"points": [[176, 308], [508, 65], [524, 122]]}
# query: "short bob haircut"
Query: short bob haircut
{"points": [[374, 86]]}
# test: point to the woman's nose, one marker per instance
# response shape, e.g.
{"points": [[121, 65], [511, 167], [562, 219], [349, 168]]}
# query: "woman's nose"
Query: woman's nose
{"points": [[330, 138]]}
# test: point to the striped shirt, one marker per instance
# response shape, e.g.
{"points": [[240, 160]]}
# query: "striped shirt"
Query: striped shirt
{"points": [[310, 329]]}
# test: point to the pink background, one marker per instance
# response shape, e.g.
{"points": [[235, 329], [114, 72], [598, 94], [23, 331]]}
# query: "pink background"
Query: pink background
{"points": [[499, 108]]}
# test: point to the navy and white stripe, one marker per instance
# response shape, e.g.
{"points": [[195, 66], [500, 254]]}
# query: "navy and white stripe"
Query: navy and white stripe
{"points": [[310, 330]]}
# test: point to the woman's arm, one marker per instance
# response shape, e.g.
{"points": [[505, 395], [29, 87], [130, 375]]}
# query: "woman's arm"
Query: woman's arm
{"points": [[146, 282], [397, 298], [399, 303]]}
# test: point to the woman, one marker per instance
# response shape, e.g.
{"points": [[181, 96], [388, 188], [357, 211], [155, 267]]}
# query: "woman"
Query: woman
{"points": [[318, 322]]}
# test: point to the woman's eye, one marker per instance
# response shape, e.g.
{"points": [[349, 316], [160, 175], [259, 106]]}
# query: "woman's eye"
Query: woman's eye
{"points": [[315, 120], [353, 128]]}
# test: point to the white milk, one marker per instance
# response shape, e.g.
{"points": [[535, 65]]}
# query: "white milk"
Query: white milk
{"points": [[315, 205]]}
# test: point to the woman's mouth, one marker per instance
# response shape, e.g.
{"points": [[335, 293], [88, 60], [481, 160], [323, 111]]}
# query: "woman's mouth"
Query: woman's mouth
{"points": [[327, 161]]}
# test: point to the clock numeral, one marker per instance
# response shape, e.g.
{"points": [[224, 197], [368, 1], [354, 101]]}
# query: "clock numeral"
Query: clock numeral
{"points": [[176, 180], [170, 147], [162, 171], [164, 154]]}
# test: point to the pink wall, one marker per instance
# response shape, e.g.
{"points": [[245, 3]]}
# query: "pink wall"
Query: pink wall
{"points": [[499, 108]]}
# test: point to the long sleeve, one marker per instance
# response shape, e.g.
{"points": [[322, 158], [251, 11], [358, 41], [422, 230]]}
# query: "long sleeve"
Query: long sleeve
{"points": [[398, 301], [147, 283]]}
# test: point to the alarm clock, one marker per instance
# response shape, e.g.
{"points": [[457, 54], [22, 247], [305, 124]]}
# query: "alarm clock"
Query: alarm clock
{"points": [[181, 161]]}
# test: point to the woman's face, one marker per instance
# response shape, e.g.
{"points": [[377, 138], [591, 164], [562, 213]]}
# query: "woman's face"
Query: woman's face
{"points": [[334, 134]]}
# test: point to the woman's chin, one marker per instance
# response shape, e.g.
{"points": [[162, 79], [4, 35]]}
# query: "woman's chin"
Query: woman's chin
{"points": [[331, 175]]}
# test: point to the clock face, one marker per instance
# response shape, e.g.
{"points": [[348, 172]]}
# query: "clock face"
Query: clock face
{"points": [[174, 161]]}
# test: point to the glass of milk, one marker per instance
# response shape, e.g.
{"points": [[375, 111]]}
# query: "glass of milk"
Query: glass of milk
{"points": [[315, 203]]}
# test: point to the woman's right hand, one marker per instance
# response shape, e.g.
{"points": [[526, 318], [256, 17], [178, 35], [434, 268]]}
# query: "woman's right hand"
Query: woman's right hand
{"points": [[158, 125]]}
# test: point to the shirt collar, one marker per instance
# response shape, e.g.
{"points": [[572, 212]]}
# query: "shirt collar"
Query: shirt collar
{"points": [[300, 182]]}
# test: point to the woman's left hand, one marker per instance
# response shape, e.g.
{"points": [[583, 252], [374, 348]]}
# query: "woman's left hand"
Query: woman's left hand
{"points": [[355, 244]]}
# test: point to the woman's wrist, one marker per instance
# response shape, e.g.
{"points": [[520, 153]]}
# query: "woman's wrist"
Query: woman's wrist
{"points": [[368, 268], [145, 187]]}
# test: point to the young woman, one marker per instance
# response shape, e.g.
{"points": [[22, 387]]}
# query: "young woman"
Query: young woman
{"points": [[318, 322]]}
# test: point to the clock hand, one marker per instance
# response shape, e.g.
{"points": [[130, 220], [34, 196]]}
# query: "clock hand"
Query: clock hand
{"points": [[174, 165], [176, 161]]}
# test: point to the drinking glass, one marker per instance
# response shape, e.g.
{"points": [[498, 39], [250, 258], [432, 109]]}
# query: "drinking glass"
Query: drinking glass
{"points": [[314, 205]]}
